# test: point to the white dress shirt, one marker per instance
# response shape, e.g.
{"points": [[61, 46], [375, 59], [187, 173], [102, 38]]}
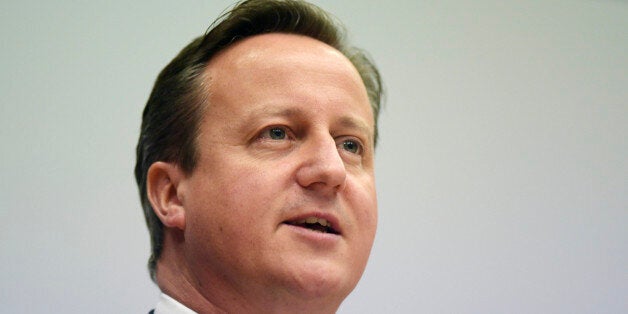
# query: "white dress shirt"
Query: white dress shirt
{"points": [[168, 305]]}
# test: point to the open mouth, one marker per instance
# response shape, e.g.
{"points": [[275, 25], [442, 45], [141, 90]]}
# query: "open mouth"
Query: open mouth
{"points": [[314, 224]]}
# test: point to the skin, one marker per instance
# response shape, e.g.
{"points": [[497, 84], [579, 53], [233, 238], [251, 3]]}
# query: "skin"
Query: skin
{"points": [[288, 134]]}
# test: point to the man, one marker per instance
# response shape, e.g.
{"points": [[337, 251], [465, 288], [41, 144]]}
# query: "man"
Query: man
{"points": [[255, 165]]}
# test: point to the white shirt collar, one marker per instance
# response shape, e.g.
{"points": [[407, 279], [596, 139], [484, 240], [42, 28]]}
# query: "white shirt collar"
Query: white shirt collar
{"points": [[168, 305]]}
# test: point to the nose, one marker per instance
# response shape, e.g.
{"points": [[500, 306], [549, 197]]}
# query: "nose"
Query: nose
{"points": [[322, 168]]}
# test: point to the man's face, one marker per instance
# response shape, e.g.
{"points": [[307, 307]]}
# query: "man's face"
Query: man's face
{"points": [[283, 196]]}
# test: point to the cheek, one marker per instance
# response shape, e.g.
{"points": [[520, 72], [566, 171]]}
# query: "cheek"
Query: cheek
{"points": [[368, 198], [225, 217], [365, 211], [236, 197], [368, 218]]}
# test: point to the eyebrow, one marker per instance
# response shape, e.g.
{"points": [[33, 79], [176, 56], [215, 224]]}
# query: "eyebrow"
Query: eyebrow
{"points": [[270, 112], [279, 112]]}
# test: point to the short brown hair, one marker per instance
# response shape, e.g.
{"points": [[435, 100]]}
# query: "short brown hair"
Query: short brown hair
{"points": [[172, 115]]}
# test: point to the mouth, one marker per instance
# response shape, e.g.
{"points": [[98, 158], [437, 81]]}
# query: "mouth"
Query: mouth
{"points": [[315, 224]]}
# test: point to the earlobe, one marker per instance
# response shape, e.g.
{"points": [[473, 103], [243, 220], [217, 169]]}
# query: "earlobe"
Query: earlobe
{"points": [[162, 183]]}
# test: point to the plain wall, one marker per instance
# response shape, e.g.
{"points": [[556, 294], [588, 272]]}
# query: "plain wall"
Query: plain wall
{"points": [[502, 166]]}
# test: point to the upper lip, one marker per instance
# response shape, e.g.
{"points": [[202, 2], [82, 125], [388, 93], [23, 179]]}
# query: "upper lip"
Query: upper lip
{"points": [[332, 221]]}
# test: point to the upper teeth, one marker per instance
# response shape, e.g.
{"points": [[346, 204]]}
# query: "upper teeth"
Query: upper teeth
{"points": [[313, 220]]}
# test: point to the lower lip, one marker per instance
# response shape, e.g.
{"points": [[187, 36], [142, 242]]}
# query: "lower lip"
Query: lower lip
{"points": [[315, 237]]}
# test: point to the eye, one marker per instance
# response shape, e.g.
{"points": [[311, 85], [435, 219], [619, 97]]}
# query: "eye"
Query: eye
{"points": [[277, 133], [351, 146]]}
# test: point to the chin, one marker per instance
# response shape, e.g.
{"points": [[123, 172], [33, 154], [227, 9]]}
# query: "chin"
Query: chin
{"points": [[323, 281]]}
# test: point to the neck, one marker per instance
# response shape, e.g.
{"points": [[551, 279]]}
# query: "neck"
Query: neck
{"points": [[175, 279]]}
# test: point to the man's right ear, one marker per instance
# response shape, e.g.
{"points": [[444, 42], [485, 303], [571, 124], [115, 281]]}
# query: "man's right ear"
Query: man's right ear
{"points": [[162, 184]]}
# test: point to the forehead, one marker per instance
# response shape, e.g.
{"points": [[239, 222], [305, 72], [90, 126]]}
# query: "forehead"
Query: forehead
{"points": [[276, 48], [284, 68]]}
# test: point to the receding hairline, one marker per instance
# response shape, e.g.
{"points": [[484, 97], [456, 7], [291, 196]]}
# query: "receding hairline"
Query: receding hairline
{"points": [[248, 49], [270, 40], [242, 55]]}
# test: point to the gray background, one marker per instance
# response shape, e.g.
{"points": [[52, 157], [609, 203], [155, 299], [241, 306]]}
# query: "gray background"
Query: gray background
{"points": [[502, 169]]}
